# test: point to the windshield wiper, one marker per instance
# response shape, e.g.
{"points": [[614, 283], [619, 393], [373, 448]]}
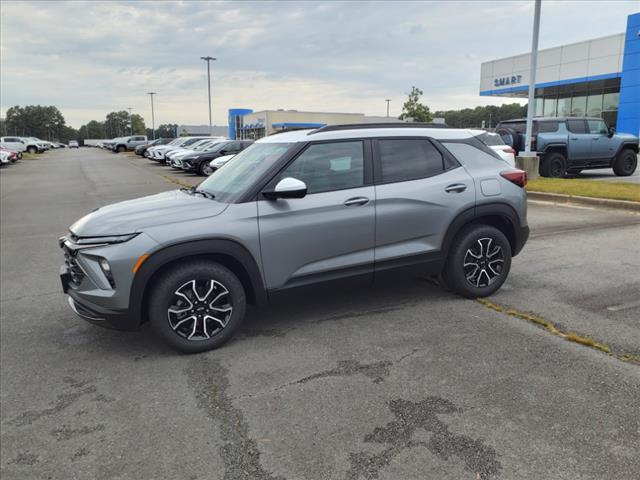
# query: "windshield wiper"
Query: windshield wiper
{"points": [[204, 193], [195, 191]]}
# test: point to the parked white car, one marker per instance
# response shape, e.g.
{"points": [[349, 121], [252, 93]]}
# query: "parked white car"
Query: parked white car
{"points": [[15, 144], [495, 143], [159, 153], [73, 144], [219, 162], [4, 157]]}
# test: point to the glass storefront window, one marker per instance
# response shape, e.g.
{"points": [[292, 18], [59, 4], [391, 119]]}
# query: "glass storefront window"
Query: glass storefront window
{"points": [[550, 107], [610, 102], [564, 107], [539, 105], [594, 105], [578, 106]]}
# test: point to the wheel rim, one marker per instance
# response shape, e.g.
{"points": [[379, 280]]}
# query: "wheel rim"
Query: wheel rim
{"points": [[200, 309], [556, 168], [483, 263], [207, 170], [627, 165]]}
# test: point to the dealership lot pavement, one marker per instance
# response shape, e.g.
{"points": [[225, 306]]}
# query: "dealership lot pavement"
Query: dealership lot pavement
{"points": [[402, 380]]}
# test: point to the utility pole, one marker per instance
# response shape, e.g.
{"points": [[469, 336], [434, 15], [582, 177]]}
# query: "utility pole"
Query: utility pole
{"points": [[153, 120], [208, 60], [388, 100], [532, 77], [130, 121]]}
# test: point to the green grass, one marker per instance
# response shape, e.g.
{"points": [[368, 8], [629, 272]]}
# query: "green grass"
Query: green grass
{"points": [[586, 188]]}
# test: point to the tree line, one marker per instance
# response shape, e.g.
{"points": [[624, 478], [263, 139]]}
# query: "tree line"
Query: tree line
{"points": [[48, 123], [478, 117]]}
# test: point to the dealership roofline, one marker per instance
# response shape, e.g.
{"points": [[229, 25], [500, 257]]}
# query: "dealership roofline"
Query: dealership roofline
{"points": [[557, 46], [555, 83]]}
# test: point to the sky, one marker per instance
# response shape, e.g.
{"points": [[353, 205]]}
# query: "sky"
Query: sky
{"points": [[90, 58]]}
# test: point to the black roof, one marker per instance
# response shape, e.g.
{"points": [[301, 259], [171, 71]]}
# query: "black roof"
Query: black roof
{"points": [[550, 119], [360, 126]]}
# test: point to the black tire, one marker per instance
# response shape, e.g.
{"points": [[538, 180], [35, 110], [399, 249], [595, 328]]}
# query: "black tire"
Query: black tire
{"points": [[625, 163], [173, 328], [121, 148], [32, 150], [204, 169], [553, 165], [494, 265]]}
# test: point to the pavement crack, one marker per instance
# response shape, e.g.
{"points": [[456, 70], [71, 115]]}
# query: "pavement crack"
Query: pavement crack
{"points": [[558, 331], [208, 380], [397, 436], [375, 371]]}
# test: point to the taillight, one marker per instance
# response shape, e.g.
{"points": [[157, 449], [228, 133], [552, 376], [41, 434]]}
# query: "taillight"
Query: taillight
{"points": [[509, 150], [519, 177]]}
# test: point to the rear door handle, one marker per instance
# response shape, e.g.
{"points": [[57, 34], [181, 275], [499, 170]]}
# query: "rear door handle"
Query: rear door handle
{"points": [[356, 201], [456, 188]]}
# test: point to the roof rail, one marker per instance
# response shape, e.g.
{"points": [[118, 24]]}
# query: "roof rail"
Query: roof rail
{"points": [[361, 126]]}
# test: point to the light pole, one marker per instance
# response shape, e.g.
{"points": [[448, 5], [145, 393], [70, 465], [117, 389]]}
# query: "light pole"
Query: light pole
{"points": [[153, 120], [388, 100], [532, 77], [130, 120], [208, 60]]}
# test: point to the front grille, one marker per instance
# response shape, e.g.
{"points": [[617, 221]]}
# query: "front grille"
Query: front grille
{"points": [[76, 272]]}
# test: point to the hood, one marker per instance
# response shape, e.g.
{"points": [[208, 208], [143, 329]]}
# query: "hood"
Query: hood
{"points": [[627, 136], [221, 160], [135, 215]]}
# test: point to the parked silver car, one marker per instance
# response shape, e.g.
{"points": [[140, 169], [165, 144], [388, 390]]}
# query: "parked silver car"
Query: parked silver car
{"points": [[295, 209]]}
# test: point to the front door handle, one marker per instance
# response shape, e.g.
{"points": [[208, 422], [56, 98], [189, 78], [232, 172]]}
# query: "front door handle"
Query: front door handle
{"points": [[456, 188], [574, 138], [356, 201]]}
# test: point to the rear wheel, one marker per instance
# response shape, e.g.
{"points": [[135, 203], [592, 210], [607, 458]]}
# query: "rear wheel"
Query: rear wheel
{"points": [[626, 163], [121, 148], [197, 306], [478, 262], [553, 165], [32, 149]]}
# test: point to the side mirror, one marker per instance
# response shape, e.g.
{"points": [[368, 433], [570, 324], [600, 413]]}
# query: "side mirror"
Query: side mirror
{"points": [[611, 132], [287, 188]]}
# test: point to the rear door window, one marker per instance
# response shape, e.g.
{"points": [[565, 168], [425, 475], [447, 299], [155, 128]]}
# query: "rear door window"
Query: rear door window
{"points": [[547, 127], [576, 126], [408, 159]]}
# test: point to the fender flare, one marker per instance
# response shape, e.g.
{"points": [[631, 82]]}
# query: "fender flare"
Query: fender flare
{"points": [[623, 145], [166, 255], [470, 215], [556, 145]]}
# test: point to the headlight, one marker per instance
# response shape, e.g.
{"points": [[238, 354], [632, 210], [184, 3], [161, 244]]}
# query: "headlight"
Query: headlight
{"points": [[102, 240]]}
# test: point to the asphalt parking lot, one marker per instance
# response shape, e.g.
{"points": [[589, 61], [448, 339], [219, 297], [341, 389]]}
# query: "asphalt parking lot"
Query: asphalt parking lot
{"points": [[397, 381]]}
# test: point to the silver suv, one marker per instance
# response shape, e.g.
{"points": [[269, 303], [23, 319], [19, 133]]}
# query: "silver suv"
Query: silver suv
{"points": [[296, 209]]}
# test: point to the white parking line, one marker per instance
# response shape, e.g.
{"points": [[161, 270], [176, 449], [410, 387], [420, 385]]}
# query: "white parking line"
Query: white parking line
{"points": [[560, 204], [624, 306]]}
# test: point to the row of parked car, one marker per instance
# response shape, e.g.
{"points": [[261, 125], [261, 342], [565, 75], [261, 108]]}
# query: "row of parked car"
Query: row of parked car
{"points": [[28, 144], [199, 155]]}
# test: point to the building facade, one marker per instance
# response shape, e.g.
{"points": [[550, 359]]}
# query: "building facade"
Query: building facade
{"points": [[596, 78], [247, 124]]}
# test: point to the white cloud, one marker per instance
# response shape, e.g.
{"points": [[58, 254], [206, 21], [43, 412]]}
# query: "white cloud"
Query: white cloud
{"points": [[89, 58]]}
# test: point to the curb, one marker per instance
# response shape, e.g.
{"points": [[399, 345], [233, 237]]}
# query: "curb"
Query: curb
{"points": [[578, 200]]}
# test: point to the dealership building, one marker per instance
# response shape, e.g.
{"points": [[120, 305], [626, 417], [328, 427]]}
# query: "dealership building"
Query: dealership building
{"points": [[596, 78]]}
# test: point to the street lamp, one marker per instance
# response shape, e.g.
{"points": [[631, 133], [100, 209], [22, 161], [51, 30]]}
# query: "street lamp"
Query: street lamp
{"points": [[130, 120], [388, 100], [153, 120], [532, 78], [208, 60]]}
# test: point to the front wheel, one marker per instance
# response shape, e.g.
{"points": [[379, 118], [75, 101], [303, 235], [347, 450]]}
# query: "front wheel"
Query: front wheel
{"points": [[32, 150], [479, 261], [626, 163], [553, 165], [197, 306], [121, 148], [205, 168]]}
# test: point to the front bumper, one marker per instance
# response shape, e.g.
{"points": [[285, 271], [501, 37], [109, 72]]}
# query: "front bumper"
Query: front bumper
{"points": [[188, 166]]}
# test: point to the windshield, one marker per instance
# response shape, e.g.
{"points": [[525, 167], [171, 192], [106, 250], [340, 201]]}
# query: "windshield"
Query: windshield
{"points": [[230, 182], [200, 144]]}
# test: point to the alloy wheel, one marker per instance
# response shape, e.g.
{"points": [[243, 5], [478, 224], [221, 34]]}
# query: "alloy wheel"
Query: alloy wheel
{"points": [[483, 263], [200, 309]]}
